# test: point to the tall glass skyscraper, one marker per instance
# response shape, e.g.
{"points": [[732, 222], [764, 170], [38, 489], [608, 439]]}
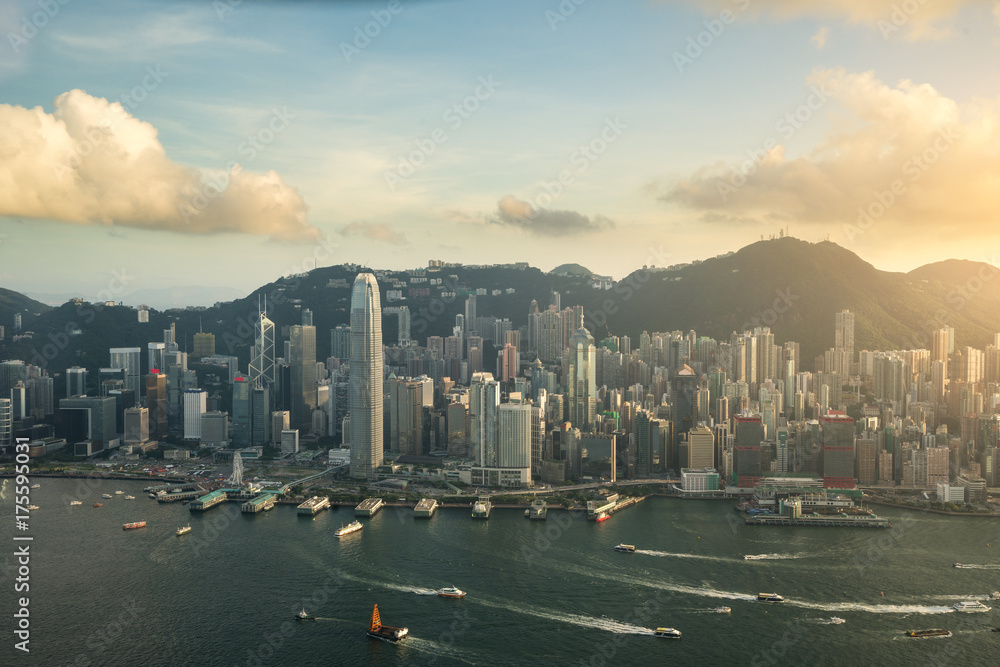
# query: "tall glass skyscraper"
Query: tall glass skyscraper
{"points": [[366, 378]]}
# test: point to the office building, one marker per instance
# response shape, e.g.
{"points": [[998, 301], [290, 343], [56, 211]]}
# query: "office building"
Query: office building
{"points": [[366, 395]]}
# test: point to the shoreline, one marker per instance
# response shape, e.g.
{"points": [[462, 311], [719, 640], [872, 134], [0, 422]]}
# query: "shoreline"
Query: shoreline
{"points": [[929, 510]]}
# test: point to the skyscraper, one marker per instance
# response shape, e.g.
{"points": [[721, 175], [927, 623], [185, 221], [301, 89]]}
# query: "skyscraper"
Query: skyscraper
{"points": [[127, 358], [366, 378], [844, 332], [302, 350], [262, 357], [581, 383]]}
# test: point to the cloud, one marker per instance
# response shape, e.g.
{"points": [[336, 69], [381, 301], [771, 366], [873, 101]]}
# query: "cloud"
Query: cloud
{"points": [[513, 212], [90, 162], [819, 39], [940, 157], [917, 20], [375, 231]]}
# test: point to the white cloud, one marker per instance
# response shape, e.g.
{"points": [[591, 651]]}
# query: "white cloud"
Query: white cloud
{"points": [[91, 162], [819, 39], [375, 231], [514, 212]]}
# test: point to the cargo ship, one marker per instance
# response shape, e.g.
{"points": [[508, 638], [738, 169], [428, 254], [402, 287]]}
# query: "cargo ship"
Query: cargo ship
{"points": [[184, 530], [627, 548], [450, 592], [134, 524], [481, 508], [386, 633], [669, 633], [769, 597], [352, 527], [935, 632]]}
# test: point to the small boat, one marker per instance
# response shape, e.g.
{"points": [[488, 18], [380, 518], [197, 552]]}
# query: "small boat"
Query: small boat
{"points": [[451, 592], [626, 548], [118, 493], [152, 495], [970, 606], [134, 524], [769, 597], [105, 495], [73, 503], [995, 595], [836, 620], [669, 633], [386, 633], [352, 527], [303, 616], [33, 507], [98, 504], [184, 530], [36, 486], [129, 497], [722, 610], [935, 632], [994, 629]]}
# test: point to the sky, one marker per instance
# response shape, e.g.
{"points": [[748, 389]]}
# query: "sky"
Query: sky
{"points": [[225, 143]]}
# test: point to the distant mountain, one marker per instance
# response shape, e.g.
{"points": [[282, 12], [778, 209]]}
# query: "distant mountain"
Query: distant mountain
{"points": [[166, 298], [571, 270], [791, 286]]}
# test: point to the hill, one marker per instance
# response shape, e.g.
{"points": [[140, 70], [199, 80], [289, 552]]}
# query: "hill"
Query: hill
{"points": [[14, 302]]}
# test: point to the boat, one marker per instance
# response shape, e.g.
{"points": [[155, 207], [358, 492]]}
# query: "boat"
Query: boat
{"points": [[995, 595], [769, 597], [970, 606], [627, 548], [836, 620], [450, 592], [386, 633], [352, 527], [129, 497], [105, 495], [669, 633], [152, 495], [481, 508], [722, 610], [75, 502], [994, 629], [538, 511], [33, 507], [935, 632], [963, 566], [118, 493], [134, 524], [36, 486], [184, 530], [98, 504], [303, 616]]}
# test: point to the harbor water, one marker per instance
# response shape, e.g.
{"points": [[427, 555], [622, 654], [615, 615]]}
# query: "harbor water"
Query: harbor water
{"points": [[552, 592]]}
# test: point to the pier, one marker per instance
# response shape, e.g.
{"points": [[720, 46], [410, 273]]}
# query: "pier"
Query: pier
{"points": [[313, 506], [261, 503], [369, 507], [425, 508], [208, 501], [852, 521]]}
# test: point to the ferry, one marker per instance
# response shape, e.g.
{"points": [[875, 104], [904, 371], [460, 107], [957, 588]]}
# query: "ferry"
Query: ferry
{"points": [[352, 527], [935, 632], [134, 524], [303, 616], [105, 495], [386, 633], [184, 530], [970, 605], [722, 610], [98, 504], [451, 592], [627, 548], [669, 633], [769, 597], [73, 503]]}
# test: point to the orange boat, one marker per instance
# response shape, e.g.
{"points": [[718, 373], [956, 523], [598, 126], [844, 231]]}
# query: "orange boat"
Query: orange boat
{"points": [[98, 504], [386, 633]]}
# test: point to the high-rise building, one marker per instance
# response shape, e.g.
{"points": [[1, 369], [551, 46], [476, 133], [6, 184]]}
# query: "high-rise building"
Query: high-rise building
{"points": [[241, 411], [6, 422], [836, 465], [340, 342], [844, 333], [156, 402], [581, 380], [701, 448], [260, 415], [204, 345], [136, 425], [195, 403], [514, 435], [484, 403], [127, 358], [302, 364], [470, 314], [156, 360], [280, 421], [76, 381], [458, 430], [366, 393], [262, 357]]}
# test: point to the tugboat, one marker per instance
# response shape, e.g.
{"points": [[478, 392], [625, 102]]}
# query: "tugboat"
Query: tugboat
{"points": [[668, 633], [769, 597], [936, 632], [386, 633], [627, 548], [303, 616], [451, 592]]}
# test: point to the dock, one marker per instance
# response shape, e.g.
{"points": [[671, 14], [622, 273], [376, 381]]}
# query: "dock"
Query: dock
{"points": [[182, 495], [313, 506], [208, 501], [425, 508], [481, 508], [261, 503], [826, 521], [369, 507]]}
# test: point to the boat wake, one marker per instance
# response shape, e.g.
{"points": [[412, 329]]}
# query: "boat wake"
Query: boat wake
{"points": [[439, 649], [667, 554], [871, 608], [826, 621], [403, 588], [603, 623], [974, 566], [774, 556]]}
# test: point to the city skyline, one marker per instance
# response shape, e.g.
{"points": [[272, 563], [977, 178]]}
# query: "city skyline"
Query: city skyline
{"points": [[857, 123]]}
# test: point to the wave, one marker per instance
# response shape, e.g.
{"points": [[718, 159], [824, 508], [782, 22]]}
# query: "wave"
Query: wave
{"points": [[403, 588], [595, 623], [871, 608], [974, 566], [774, 556]]}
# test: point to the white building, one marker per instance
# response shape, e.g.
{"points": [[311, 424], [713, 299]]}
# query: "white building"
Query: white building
{"points": [[195, 403], [947, 493], [290, 441]]}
